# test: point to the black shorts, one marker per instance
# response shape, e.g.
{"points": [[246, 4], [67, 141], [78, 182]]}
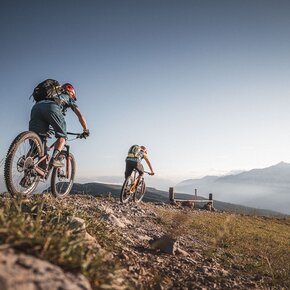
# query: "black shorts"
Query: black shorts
{"points": [[131, 165]]}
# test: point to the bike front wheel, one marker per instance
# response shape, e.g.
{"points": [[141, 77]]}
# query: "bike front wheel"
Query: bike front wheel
{"points": [[21, 177], [125, 194], [62, 178], [140, 191]]}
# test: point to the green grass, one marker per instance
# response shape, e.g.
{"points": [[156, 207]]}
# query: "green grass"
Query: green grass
{"points": [[41, 226], [256, 245]]}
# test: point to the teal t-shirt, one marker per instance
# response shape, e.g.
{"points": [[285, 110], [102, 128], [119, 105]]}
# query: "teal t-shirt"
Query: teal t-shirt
{"points": [[65, 102]]}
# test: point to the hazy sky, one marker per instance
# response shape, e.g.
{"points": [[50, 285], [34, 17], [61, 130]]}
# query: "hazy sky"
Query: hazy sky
{"points": [[203, 84]]}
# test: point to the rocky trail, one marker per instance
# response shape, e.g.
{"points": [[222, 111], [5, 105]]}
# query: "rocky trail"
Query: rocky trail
{"points": [[156, 258]]}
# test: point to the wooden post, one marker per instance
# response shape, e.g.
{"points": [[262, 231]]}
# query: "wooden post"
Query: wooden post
{"points": [[195, 197], [171, 194], [210, 199]]}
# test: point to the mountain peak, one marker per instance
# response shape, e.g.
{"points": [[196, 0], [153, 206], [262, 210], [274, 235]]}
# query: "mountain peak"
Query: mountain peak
{"points": [[282, 164]]}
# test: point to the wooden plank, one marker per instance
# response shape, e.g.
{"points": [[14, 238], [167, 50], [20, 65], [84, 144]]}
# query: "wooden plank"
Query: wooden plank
{"points": [[194, 200]]}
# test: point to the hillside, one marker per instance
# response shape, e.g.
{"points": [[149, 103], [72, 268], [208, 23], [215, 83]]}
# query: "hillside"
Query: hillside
{"points": [[85, 242], [267, 188], [154, 195]]}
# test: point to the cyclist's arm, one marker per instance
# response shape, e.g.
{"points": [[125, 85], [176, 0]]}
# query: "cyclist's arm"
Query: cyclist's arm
{"points": [[81, 117], [149, 165]]}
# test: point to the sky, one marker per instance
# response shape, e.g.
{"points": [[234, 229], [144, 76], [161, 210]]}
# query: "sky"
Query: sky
{"points": [[204, 85]]}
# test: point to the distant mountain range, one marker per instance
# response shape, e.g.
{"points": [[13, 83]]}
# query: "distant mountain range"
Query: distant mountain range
{"points": [[260, 188], [267, 188]]}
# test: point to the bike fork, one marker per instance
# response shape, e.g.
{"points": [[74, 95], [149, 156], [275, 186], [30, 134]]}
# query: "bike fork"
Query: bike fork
{"points": [[67, 161]]}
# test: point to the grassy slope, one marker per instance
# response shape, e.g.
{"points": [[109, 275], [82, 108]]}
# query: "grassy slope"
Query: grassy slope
{"points": [[253, 244], [250, 244]]}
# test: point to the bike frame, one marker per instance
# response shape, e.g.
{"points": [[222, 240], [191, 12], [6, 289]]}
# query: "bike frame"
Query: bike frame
{"points": [[45, 174], [134, 176], [130, 186]]}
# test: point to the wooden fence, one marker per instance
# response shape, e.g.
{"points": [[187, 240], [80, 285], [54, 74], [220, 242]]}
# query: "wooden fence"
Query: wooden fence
{"points": [[209, 201]]}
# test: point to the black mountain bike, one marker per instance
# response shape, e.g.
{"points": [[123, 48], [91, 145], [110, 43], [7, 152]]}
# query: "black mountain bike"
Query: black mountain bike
{"points": [[129, 189], [27, 163]]}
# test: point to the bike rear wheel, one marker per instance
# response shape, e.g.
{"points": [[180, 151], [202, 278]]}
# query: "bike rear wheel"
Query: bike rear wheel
{"points": [[140, 191], [62, 178], [20, 175], [125, 194]]}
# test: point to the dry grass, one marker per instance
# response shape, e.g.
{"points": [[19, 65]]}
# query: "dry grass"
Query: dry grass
{"points": [[257, 245], [41, 227]]}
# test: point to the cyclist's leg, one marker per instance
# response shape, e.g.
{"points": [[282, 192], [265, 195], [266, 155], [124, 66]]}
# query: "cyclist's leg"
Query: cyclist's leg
{"points": [[59, 144], [140, 169], [37, 124], [129, 168], [55, 119]]}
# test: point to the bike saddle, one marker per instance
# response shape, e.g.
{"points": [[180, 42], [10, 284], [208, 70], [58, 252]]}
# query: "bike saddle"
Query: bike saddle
{"points": [[49, 134]]}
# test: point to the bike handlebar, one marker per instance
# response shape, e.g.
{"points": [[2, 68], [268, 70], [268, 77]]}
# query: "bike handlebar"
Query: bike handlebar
{"points": [[51, 133], [78, 135], [149, 173]]}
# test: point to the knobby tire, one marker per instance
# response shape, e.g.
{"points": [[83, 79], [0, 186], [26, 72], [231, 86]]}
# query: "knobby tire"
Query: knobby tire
{"points": [[124, 196], [9, 162], [140, 191], [59, 186]]}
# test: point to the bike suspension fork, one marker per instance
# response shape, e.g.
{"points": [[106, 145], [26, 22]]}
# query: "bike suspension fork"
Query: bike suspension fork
{"points": [[67, 161]]}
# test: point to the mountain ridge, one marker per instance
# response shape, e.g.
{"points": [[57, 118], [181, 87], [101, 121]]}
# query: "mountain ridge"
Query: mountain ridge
{"points": [[264, 187]]}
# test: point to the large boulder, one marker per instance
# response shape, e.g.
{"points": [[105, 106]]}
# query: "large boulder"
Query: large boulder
{"points": [[19, 271]]}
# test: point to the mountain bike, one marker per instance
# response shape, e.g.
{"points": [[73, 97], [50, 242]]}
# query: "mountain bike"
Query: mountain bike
{"points": [[27, 163], [129, 189]]}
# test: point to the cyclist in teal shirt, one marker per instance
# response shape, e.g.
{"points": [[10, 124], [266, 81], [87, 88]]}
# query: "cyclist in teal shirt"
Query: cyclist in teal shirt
{"points": [[50, 113]]}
